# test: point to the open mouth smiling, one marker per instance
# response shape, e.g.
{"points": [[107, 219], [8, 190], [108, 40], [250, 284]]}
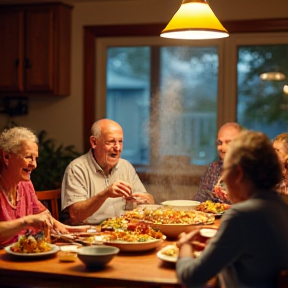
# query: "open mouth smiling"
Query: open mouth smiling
{"points": [[113, 155]]}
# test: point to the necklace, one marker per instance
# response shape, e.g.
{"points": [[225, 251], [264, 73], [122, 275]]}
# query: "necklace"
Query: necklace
{"points": [[9, 196]]}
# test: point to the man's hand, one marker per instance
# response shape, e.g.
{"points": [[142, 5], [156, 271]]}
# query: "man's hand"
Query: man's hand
{"points": [[119, 188], [143, 198]]}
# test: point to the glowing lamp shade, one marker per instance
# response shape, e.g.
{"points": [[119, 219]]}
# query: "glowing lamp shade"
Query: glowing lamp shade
{"points": [[194, 20], [277, 76]]}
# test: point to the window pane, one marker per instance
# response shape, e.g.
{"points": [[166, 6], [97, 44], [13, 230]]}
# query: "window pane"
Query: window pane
{"points": [[128, 98], [189, 87], [186, 111], [262, 103]]}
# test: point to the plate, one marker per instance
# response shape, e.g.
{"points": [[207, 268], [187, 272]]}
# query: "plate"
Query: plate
{"points": [[54, 250], [182, 204], [135, 246], [160, 255]]}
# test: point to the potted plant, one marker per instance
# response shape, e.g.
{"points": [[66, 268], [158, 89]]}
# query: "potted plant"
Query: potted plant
{"points": [[52, 162]]}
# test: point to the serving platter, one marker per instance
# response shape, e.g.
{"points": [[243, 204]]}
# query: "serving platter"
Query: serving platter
{"points": [[54, 249], [173, 230], [135, 246]]}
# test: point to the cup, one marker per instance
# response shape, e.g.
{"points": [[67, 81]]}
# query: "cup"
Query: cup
{"points": [[205, 234], [131, 204]]}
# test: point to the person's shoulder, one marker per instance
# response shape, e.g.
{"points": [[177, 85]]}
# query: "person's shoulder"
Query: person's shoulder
{"points": [[25, 187], [124, 162], [25, 184], [214, 165], [80, 160]]}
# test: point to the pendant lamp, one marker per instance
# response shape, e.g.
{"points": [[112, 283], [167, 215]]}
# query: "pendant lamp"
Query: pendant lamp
{"points": [[194, 20]]}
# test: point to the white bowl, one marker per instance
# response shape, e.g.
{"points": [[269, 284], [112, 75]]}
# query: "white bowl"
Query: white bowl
{"points": [[97, 256], [208, 232], [182, 204]]}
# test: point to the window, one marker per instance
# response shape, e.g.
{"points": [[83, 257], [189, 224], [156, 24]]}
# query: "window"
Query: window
{"points": [[262, 75], [236, 87], [180, 117]]}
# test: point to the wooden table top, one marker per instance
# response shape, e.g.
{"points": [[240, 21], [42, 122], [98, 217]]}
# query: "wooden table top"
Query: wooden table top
{"points": [[127, 269]]}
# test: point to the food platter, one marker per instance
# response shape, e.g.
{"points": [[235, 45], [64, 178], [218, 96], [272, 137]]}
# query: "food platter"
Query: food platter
{"points": [[173, 230], [135, 246], [214, 208], [54, 250]]}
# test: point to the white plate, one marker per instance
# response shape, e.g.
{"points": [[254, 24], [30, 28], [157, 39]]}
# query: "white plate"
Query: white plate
{"points": [[135, 246], [54, 250], [160, 255]]}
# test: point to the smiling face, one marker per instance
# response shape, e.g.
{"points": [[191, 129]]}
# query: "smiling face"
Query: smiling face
{"points": [[22, 163], [108, 147]]}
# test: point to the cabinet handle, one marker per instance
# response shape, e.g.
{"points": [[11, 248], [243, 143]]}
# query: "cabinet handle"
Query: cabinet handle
{"points": [[16, 63], [27, 63]]}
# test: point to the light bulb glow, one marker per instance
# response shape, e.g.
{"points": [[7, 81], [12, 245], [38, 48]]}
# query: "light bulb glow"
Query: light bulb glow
{"points": [[194, 20]]}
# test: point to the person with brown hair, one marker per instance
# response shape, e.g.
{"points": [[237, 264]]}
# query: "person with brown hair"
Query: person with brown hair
{"points": [[250, 248]]}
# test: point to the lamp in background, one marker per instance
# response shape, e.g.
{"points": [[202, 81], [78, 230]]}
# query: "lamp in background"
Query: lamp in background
{"points": [[194, 20], [274, 75]]}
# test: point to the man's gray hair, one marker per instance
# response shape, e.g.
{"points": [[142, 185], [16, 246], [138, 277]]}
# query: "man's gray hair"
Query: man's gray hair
{"points": [[96, 129]]}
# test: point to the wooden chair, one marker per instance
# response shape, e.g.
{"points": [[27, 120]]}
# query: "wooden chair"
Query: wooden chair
{"points": [[50, 199]]}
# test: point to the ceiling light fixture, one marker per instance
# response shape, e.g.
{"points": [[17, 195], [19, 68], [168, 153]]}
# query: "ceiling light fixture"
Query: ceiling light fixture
{"points": [[276, 76], [194, 20]]}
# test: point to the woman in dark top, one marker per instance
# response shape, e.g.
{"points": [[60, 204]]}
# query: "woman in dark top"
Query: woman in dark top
{"points": [[251, 245]]}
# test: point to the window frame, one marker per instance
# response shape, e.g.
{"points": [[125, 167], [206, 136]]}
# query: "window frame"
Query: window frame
{"points": [[92, 33]]}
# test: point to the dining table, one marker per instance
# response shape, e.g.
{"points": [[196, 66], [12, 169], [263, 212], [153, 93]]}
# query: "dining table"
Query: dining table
{"points": [[126, 269]]}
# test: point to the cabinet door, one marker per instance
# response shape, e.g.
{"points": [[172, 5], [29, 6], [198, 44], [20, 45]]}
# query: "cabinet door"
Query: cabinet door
{"points": [[11, 51], [38, 60]]}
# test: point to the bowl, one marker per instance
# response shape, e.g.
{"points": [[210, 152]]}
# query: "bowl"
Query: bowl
{"points": [[208, 232], [172, 231], [97, 256], [182, 204]]}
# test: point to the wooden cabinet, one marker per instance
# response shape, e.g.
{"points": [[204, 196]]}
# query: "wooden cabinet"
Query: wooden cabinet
{"points": [[35, 45]]}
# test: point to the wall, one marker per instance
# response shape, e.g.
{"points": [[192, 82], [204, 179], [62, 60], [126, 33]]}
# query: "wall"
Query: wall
{"points": [[62, 117]]}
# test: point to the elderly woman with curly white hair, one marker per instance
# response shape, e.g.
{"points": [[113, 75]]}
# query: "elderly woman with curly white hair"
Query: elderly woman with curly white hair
{"points": [[20, 209]]}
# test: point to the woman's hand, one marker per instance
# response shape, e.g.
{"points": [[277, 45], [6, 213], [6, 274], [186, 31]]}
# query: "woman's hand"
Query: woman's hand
{"points": [[59, 227], [187, 238], [39, 221]]}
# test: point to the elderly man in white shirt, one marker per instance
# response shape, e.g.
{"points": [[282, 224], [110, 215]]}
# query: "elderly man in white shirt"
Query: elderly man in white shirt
{"points": [[96, 185]]}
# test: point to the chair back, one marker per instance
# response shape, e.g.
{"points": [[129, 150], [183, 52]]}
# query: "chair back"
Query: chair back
{"points": [[50, 199]]}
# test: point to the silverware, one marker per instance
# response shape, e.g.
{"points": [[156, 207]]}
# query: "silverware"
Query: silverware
{"points": [[73, 240]]}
